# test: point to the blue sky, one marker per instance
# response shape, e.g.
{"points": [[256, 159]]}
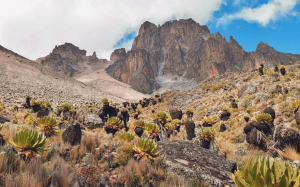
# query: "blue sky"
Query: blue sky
{"points": [[35, 27], [282, 32]]}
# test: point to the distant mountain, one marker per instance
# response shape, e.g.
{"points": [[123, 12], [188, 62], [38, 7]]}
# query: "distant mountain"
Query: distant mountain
{"points": [[183, 50], [68, 59]]}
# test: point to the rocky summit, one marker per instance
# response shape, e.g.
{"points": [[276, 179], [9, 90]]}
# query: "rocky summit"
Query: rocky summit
{"points": [[180, 51], [68, 59]]}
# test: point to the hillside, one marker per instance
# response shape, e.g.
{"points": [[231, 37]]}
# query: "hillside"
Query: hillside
{"points": [[20, 77], [179, 51]]}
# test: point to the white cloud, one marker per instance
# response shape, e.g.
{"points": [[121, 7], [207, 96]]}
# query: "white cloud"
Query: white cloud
{"points": [[263, 14], [32, 28]]}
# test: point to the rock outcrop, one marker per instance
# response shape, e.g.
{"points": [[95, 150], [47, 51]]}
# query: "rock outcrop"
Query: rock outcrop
{"points": [[135, 69], [185, 50], [190, 160], [67, 58], [72, 134]]}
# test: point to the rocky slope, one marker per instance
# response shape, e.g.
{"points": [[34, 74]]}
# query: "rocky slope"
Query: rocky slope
{"points": [[184, 50], [20, 76], [68, 59]]}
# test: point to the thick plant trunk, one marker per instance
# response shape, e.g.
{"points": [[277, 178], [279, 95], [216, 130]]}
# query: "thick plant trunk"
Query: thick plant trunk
{"points": [[205, 143], [297, 115], [139, 131], [190, 129]]}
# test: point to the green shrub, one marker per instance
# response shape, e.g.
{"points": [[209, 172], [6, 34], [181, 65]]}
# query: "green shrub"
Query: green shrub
{"points": [[151, 130], [206, 86], [145, 148], [266, 171], [245, 103], [114, 122], [211, 120], [207, 132], [65, 107], [281, 67], [28, 141], [127, 136], [162, 116], [47, 125], [218, 87], [104, 100], [169, 126], [175, 121], [266, 118], [189, 110], [295, 104], [139, 123]]}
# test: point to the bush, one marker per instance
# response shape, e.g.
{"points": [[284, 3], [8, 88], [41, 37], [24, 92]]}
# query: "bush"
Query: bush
{"points": [[209, 120], [295, 104], [266, 171], [265, 118], [145, 148], [162, 116], [169, 127], [47, 125], [281, 67], [114, 122], [207, 132], [139, 123], [175, 121], [28, 141], [206, 86], [127, 136], [151, 130], [217, 87], [245, 103], [65, 107]]}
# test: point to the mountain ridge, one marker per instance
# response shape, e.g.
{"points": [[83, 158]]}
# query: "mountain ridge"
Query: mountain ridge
{"points": [[186, 50]]}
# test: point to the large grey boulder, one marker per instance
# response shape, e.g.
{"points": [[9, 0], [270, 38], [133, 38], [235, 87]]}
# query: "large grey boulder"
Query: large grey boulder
{"points": [[72, 134], [93, 121], [190, 160]]}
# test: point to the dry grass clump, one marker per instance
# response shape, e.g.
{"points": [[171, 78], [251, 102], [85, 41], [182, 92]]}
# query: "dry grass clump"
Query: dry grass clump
{"points": [[218, 87], [140, 173], [290, 153]]}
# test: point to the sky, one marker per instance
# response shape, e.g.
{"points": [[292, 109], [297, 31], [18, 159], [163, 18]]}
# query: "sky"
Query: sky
{"points": [[32, 28]]}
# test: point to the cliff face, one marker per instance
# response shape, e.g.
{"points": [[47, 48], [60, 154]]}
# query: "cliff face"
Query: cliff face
{"points": [[134, 69], [186, 50], [66, 59]]}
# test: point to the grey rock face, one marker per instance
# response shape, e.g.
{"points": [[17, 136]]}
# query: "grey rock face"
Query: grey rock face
{"points": [[72, 134], [190, 160]]}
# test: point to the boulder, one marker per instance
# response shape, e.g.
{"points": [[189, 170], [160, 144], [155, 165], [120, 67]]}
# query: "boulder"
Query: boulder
{"points": [[93, 121], [225, 115], [234, 105], [89, 176], [286, 136], [223, 127], [43, 112], [176, 113], [246, 118], [249, 126], [72, 134], [189, 160]]}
